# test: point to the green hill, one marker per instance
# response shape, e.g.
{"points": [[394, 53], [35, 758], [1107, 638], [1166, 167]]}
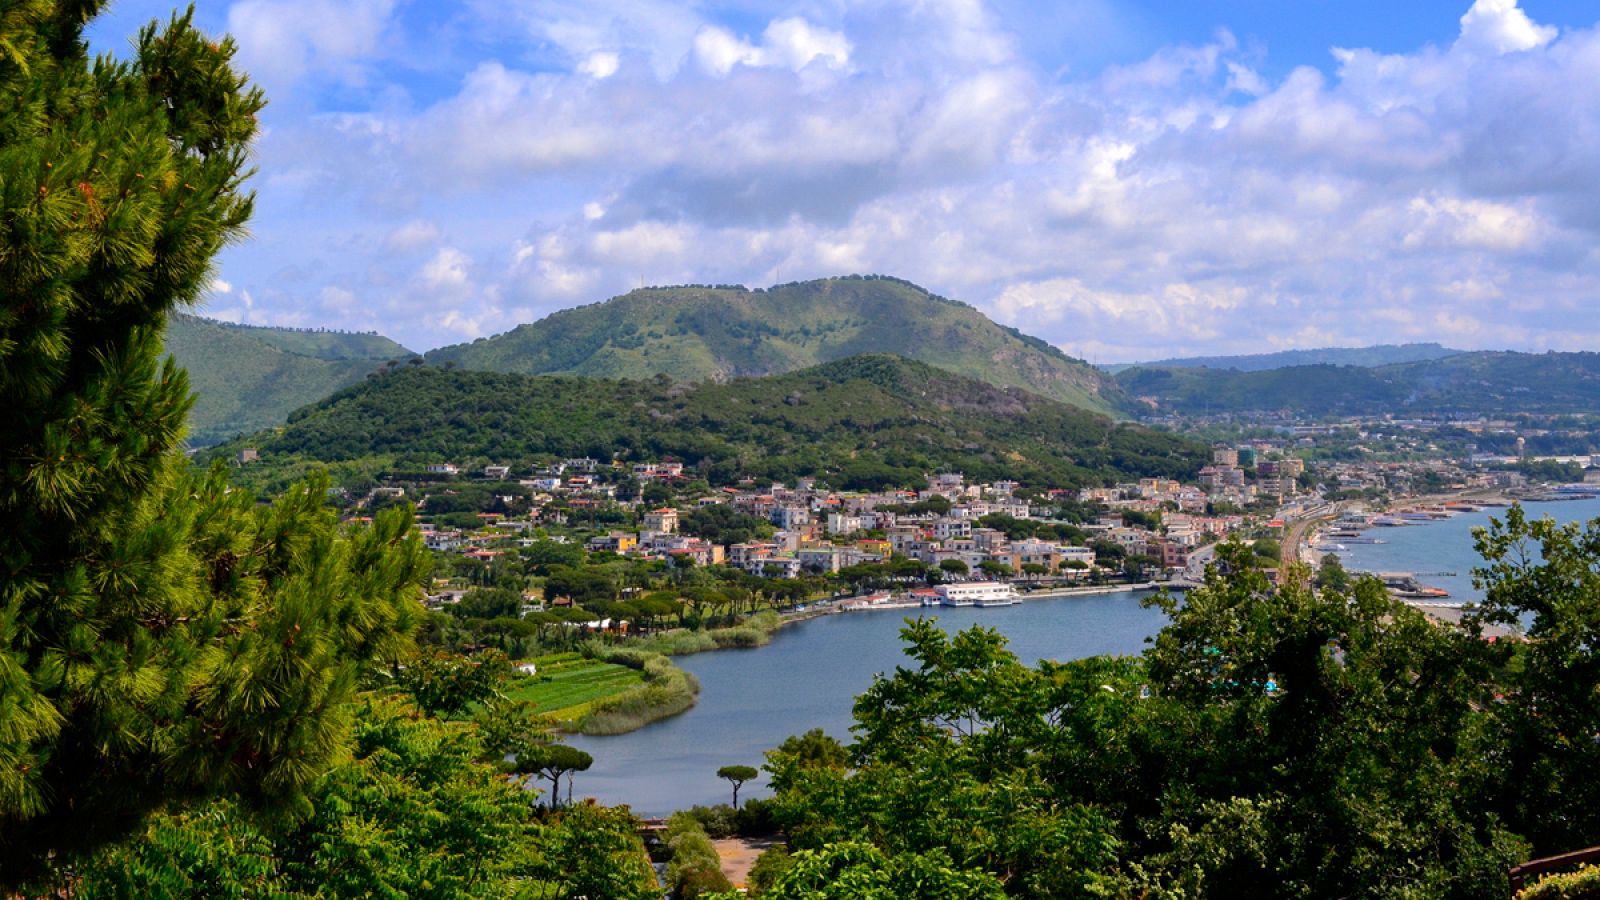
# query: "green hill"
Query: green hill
{"points": [[701, 333], [1477, 383], [866, 421], [324, 344], [247, 378], [1366, 357]]}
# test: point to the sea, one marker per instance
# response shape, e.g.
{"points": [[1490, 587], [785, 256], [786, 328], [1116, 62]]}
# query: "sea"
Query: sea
{"points": [[1442, 553]]}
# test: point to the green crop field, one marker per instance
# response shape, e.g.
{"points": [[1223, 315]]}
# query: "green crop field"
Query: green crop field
{"points": [[565, 687]]}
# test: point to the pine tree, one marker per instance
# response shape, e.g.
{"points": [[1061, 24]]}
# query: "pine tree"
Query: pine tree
{"points": [[161, 636]]}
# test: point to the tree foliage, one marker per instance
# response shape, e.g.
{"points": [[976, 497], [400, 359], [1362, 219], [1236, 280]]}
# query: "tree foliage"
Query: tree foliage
{"points": [[410, 814], [160, 636], [864, 422], [1275, 740], [737, 776]]}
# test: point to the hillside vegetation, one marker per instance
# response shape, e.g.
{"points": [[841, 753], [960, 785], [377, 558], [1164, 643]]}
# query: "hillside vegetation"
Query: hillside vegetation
{"points": [[1489, 383], [1366, 357], [867, 421], [701, 333], [246, 378]]}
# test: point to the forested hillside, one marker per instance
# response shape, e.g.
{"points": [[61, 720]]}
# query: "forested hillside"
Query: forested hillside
{"points": [[1367, 357], [867, 421], [698, 333], [1469, 383], [246, 378]]}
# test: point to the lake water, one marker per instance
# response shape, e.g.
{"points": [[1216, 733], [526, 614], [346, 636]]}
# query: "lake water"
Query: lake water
{"points": [[809, 676]]}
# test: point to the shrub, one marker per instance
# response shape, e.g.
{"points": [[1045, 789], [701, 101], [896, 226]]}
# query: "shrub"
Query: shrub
{"points": [[756, 818], [1583, 884], [769, 867], [694, 868], [719, 821]]}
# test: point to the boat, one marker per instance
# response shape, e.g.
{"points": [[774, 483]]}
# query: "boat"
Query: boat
{"points": [[1405, 586], [1389, 521], [1353, 537]]}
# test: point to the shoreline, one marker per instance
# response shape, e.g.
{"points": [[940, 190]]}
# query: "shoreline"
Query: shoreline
{"points": [[837, 606], [814, 611]]}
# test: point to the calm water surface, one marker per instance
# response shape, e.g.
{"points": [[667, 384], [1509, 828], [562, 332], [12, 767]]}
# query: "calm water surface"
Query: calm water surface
{"points": [[809, 676], [1446, 545]]}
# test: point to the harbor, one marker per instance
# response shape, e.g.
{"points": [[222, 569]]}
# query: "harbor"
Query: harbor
{"points": [[1424, 551]]}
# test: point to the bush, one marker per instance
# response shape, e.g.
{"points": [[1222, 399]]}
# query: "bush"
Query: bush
{"points": [[754, 819], [694, 868], [741, 637], [719, 821], [769, 867], [757, 818], [1583, 884]]}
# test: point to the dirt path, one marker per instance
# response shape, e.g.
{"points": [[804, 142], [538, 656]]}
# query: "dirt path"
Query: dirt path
{"points": [[738, 855]]}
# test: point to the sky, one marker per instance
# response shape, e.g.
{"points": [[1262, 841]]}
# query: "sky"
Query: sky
{"points": [[1127, 179]]}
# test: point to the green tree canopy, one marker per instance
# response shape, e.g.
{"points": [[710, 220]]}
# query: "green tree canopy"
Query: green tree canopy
{"points": [[1276, 740], [160, 637], [737, 776]]}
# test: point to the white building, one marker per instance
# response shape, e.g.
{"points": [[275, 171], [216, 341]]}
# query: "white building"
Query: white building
{"points": [[977, 593]]}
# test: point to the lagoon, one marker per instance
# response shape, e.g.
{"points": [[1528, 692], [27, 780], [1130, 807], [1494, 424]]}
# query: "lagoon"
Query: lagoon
{"points": [[808, 677]]}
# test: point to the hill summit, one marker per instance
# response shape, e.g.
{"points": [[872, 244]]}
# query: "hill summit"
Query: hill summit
{"points": [[719, 332]]}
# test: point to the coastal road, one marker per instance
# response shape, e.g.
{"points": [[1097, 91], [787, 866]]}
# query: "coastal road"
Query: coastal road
{"points": [[1195, 570]]}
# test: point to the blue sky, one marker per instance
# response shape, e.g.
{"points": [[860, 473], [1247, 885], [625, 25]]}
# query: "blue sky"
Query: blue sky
{"points": [[1127, 179]]}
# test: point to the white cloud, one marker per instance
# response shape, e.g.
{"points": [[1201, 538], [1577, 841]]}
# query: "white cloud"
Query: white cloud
{"points": [[794, 43], [718, 50], [446, 271], [600, 64], [412, 236], [281, 41], [791, 43], [1186, 202], [1470, 223], [1501, 27]]}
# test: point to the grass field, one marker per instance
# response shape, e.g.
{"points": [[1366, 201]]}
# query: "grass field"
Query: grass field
{"points": [[567, 684]]}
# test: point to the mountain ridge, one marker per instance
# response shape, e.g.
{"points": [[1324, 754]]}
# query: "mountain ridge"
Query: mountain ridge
{"points": [[1371, 356], [719, 332], [248, 377], [1480, 382]]}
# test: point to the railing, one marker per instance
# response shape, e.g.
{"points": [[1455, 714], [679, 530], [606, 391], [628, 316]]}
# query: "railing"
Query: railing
{"points": [[1522, 873]]}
